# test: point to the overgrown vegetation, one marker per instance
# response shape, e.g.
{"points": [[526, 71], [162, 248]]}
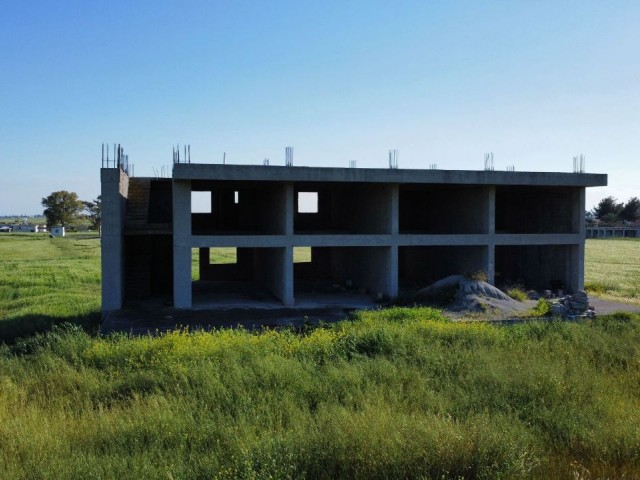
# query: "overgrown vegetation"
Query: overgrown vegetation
{"points": [[398, 393], [395, 393], [517, 293]]}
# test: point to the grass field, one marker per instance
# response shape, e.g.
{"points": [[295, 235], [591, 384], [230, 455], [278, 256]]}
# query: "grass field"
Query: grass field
{"points": [[228, 255], [397, 393], [45, 280], [612, 269]]}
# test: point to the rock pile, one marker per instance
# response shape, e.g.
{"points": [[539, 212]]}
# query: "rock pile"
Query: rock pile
{"points": [[576, 304]]}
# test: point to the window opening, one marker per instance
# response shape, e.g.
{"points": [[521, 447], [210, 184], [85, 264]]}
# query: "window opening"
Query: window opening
{"points": [[223, 255], [307, 202], [302, 255], [200, 202]]}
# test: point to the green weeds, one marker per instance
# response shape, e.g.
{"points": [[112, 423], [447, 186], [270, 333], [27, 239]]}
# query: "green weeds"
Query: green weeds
{"points": [[517, 293], [394, 393]]}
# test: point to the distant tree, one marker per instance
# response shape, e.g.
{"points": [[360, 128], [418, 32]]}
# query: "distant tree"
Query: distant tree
{"points": [[608, 209], [631, 210], [94, 212], [589, 217], [62, 208]]}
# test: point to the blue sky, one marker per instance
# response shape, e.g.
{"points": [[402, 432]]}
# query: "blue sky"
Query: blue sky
{"points": [[443, 82]]}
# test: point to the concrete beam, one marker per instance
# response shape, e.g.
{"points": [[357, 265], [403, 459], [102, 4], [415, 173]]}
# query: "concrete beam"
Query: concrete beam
{"points": [[193, 171]]}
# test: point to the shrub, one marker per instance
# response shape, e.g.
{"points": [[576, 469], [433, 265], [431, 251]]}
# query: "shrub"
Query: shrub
{"points": [[478, 276], [517, 293]]}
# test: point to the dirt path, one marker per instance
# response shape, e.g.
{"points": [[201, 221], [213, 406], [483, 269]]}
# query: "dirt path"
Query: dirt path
{"points": [[605, 307]]}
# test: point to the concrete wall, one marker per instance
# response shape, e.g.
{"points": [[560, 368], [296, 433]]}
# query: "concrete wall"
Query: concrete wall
{"points": [[242, 208], [114, 190], [274, 272], [346, 208], [368, 269], [423, 265], [538, 209], [539, 267], [443, 209]]}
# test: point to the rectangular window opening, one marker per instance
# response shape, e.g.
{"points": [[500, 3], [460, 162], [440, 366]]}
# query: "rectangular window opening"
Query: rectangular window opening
{"points": [[302, 255], [307, 202], [223, 255], [200, 202], [236, 197]]}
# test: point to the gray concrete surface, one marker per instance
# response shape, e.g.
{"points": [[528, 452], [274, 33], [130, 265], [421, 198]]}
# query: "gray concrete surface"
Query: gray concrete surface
{"points": [[374, 229]]}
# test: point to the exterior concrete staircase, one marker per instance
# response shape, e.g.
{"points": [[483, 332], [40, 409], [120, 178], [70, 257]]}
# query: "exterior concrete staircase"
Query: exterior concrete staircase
{"points": [[137, 214]]}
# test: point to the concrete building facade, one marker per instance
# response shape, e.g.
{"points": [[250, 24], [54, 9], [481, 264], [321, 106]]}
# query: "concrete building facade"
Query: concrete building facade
{"points": [[370, 231]]}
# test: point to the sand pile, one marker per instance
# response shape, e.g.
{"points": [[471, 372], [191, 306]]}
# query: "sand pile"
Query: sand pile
{"points": [[464, 294]]}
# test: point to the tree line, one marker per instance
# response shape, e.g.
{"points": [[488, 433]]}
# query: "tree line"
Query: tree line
{"points": [[610, 211], [65, 208]]}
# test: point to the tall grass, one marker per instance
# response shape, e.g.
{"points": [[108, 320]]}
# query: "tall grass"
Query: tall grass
{"points": [[398, 393]]}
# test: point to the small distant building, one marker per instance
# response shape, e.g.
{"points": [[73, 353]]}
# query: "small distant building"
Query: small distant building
{"points": [[25, 227], [57, 231], [29, 227]]}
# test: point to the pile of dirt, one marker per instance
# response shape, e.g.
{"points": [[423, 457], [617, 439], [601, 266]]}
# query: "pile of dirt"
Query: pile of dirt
{"points": [[466, 295]]}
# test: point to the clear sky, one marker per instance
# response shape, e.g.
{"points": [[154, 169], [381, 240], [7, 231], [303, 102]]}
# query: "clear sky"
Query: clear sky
{"points": [[535, 82]]}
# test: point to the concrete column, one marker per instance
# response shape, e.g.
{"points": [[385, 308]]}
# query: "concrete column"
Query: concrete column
{"points": [[273, 272], [373, 268], [579, 224], [577, 272], [182, 244], [287, 297], [491, 230], [289, 209], [392, 290], [114, 190], [394, 270], [204, 257], [395, 211], [491, 263], [491, 210]]}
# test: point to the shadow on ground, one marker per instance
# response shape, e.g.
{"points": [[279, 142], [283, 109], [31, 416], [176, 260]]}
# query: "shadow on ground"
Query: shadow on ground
{"points": [[27, 325]]}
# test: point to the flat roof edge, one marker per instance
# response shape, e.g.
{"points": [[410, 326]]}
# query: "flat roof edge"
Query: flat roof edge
{"points": [[193, 171]]}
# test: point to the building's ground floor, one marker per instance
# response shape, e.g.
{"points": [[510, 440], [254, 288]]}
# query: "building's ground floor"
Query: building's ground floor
{"points": [[214, 271]]}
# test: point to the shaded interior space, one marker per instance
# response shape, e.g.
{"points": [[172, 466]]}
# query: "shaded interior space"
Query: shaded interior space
{"points": [[419, 267], [149, 266], [521, 209], [239, 208], [348, 274], [443, 209], [537, 267], [342, 208], [239, 277], [161, 201]]}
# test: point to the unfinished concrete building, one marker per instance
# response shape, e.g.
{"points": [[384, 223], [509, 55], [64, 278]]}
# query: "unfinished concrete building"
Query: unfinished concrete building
{"points": [[370, 233]]}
